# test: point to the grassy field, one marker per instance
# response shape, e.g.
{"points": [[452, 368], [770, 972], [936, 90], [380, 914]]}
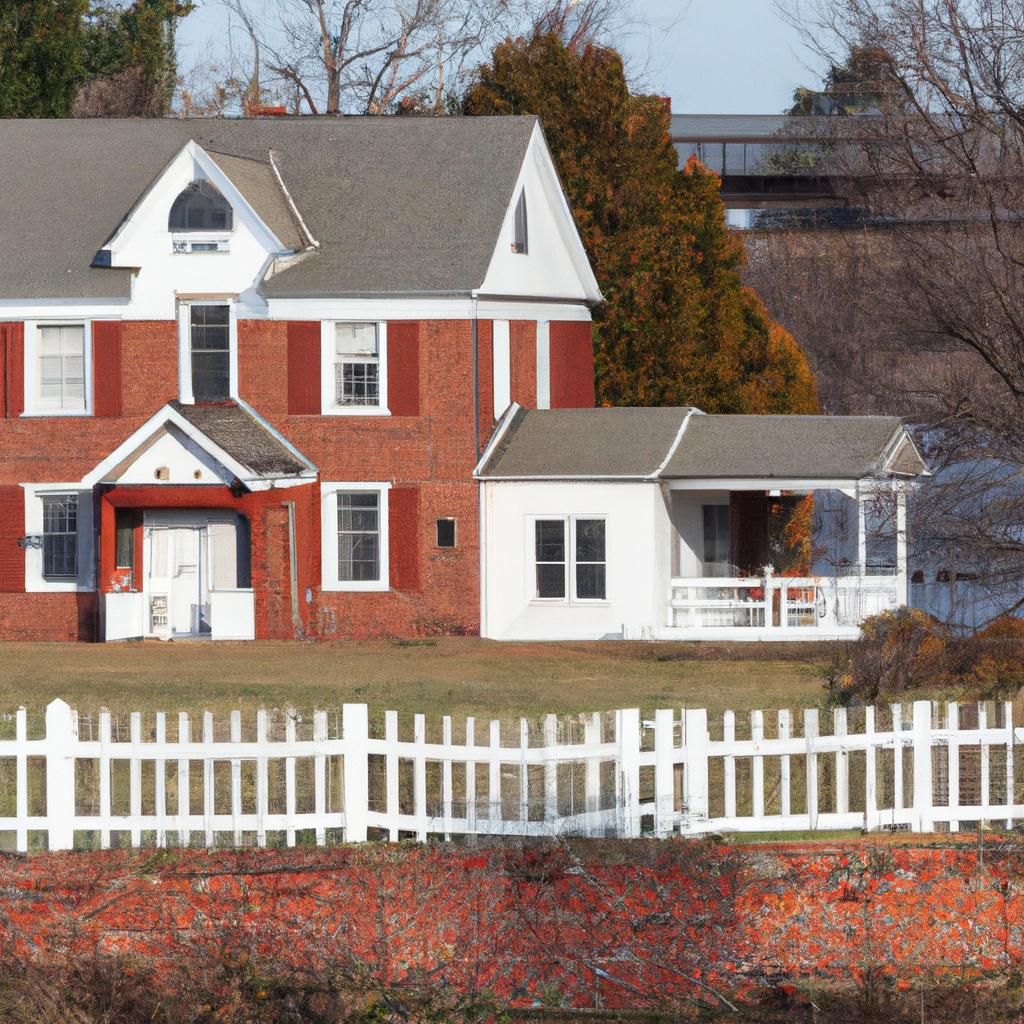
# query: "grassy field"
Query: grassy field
{"points": [[447, 676]]}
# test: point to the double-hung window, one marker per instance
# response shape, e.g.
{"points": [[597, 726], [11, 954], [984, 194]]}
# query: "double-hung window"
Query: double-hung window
{"points": [[570, 559], [60, 536], [209, 329], [356, 365], [60, 369], [358, 536], [355, 536], [353, 368]]}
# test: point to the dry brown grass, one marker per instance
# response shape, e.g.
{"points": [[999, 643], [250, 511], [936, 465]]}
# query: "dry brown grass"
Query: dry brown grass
{"points": [[457, 676]]}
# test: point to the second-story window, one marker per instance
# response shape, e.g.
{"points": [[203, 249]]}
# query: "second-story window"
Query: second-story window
{"points": [[210, 352], [61, 368], [356, 365]]}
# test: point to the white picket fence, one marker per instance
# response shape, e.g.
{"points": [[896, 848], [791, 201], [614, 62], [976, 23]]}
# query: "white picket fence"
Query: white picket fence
{"points": [[597, 775]]}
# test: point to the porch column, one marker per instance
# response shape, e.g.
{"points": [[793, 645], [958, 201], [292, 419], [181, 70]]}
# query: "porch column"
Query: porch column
{"points": [[108, 544], [902, 595], [862, 536]]}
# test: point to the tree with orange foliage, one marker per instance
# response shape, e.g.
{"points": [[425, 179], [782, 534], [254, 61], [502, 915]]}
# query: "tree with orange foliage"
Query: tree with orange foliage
{"points": [[677, 327]]}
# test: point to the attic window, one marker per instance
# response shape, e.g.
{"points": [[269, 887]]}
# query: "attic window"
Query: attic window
{"points": [[200, 207], [520, 238]]}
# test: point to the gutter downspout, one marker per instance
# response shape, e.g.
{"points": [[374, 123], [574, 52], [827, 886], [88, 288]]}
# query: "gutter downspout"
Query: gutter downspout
{"points": [[475, 333], [293, 570]]}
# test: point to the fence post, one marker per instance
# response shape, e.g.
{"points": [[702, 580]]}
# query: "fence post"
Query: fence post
{"points": [[695, 758], [664, 772], [628, 735], [923, 809], [356, 733], [61, 737]]}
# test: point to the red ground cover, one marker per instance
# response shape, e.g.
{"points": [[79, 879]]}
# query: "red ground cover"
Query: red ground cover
{"points": [[587, 924]]}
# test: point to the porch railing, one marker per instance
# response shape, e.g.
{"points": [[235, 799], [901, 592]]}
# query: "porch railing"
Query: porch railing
{"points": [[778, 602]]}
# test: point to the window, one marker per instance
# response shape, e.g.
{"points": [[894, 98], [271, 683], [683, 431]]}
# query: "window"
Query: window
{"points": [[590, 560], [446, 533], [200, 207], [587, 567], [716, 536], [60, 368], [550, 550], [210, 352], [356, 365], [60, 536], [520, 239], [359, 536], [354, 539]]}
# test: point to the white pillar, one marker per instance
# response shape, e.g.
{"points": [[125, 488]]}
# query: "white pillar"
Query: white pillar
{"points": [[902, 593], [356, 732]]}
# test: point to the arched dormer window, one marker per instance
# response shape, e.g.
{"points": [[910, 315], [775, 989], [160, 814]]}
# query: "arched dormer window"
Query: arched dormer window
{"points": [[200, 207]]}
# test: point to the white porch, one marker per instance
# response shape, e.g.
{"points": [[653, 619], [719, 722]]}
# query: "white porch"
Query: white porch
{"points": [[858, 564]]}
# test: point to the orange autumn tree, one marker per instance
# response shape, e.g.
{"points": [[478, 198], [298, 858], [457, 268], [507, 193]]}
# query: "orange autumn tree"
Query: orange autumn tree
{"points": [[677, 326]]}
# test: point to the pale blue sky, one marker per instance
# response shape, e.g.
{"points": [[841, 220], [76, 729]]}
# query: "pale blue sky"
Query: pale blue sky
{"points": [[710, 56]]}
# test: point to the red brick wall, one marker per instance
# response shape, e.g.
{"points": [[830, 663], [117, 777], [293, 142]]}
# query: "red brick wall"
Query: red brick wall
{"points": [[572, 364], [485, 371], [523, 353], [432, 452], [106, 362]]}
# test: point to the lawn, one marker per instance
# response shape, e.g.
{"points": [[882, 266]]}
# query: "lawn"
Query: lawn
{"points": [[457, 676]]}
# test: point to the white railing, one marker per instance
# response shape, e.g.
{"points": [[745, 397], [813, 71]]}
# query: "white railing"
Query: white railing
{"points": [[600, 774], [777, 604]]}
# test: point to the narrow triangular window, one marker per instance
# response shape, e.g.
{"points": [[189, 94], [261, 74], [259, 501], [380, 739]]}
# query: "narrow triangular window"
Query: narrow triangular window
{"points": [[520, 239]]}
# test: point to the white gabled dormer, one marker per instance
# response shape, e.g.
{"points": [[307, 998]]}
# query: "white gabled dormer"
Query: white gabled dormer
{"points": [[539, 253], [195, 233]]}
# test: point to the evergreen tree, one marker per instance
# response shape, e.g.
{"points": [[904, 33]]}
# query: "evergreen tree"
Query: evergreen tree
{"points": [[41, 56], [677, 327]]}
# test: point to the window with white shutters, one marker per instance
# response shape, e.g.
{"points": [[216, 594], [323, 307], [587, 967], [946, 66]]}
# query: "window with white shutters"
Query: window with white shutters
{"points": [[61, 368]]}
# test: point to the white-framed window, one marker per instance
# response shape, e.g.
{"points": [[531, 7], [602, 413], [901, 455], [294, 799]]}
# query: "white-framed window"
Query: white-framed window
{"points": [[354, 368], [207, 351], [61, 546], [58, 368], [354, 536], [570, 558]]}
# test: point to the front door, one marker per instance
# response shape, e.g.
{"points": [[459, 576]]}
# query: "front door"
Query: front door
{"points": [[177, 584]]}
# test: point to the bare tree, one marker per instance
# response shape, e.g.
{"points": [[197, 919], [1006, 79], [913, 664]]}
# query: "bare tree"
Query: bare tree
{"points": [[937, 172]]}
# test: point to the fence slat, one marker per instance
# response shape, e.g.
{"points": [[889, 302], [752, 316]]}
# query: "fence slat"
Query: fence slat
{"points": [[785, 731], [729, 764], [592, 780], [1008, 724], [664, 772], [757, 766], [21, 779], [184, 836], [811, 734], [923, 787], [420, 776], [953, 765], [985, 764], [627, 734], [208, 791], [870, 772], [446, 779], [839, 728], [494, 778], [289, 778], [160, 781], [262, 781], [104, 763], [550, 767], [471, 773], [135, 775], [236, 780], [320, 778]]}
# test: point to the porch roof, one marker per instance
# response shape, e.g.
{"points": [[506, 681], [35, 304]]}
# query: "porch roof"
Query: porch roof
{"points": [[685, 444]]}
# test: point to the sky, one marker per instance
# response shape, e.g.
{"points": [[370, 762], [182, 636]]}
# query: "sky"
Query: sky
{"points": [[709, 56], [720, 56]]}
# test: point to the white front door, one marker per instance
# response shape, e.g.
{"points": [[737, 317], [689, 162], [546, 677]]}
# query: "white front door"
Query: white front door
{"points": [[177, 584]]}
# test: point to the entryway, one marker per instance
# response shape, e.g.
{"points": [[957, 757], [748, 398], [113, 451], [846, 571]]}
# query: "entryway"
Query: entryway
{"points": [[177, 584]]}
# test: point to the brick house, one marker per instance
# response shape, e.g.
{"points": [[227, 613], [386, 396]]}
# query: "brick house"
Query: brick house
{"points": [[248, 367]]}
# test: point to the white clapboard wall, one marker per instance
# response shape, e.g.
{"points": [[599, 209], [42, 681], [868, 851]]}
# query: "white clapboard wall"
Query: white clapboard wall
{"points": [[920, 767]]}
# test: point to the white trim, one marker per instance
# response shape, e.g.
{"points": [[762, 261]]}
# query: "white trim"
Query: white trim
{"points": [[501, 366], [59, 309], [503, 424], [313, 243], [35, 583], [422, 307], [185, 304], [543, 364], [758, 483], [675, 443], [328, 405], [33, 408], [329, 581]]}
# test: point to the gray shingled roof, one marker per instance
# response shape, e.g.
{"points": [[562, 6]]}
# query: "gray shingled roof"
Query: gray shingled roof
{"points": [[635, 443], [400, 205], [244, 438], [624, 442], [808, 447]]}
